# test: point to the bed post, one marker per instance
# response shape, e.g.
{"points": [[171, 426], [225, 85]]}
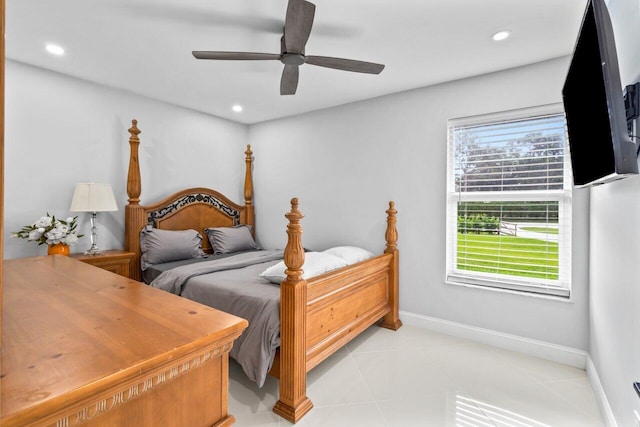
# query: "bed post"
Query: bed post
{"points": [[248, 191], [293, 402], [133, 212], [392, 320]]}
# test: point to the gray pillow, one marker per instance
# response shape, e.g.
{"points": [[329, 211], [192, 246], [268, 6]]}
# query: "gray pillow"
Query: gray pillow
{"points": [[225, 240], [158, 246]]}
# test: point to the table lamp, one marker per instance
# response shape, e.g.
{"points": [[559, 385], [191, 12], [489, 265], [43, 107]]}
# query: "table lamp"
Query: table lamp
{"points": [[93, 197]]}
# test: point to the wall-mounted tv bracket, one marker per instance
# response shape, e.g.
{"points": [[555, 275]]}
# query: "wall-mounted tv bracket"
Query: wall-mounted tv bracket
{"points": [[632, 106]]}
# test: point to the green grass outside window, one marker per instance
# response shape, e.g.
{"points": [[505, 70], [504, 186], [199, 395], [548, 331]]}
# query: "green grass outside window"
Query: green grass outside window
{"points": [[508, 255]]}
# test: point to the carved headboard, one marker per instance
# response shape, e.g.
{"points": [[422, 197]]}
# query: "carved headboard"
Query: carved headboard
{"points": [[192, 208]]}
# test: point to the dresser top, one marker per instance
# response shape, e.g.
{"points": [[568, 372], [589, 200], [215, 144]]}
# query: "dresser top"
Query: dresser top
{"points": [[70, 329]]}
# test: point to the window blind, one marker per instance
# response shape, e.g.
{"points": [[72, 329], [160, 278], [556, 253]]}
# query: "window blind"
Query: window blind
{"points": [[509, 201]]}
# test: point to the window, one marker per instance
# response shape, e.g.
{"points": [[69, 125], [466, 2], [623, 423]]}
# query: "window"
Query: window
{"points": [[509, 201]]}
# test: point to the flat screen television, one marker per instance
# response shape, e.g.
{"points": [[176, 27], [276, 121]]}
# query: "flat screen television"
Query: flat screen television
{"points": [[600, 147]]}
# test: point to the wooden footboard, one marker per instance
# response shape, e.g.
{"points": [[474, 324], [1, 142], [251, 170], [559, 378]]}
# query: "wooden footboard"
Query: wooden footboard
{"points": [[343, 303], [320, 315]]}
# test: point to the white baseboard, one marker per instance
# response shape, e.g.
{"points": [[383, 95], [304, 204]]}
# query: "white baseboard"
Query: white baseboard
{"points": [[544, 350], [601, 397]]}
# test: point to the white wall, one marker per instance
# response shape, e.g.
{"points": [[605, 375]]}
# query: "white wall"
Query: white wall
{"points": [[346, 163], [61, 130], [615, 254]]}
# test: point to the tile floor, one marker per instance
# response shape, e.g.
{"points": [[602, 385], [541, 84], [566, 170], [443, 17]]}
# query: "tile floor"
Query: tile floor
{"points": [[416, 377]]}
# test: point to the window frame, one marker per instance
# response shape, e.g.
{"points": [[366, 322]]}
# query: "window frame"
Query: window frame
{"points": [[557, 288]]}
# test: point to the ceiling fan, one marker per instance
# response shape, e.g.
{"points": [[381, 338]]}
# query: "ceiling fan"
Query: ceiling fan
{"points": [[297, 27]]}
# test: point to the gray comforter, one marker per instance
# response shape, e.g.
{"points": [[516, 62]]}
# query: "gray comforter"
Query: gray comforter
{"points": [[233, 285]]}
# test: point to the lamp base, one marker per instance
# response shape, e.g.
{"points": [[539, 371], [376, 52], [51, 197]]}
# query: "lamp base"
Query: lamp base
{"points": [[94, 251]]}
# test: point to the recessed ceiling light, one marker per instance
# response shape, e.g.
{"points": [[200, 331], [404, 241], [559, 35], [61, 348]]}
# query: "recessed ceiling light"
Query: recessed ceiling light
{"points": [[237, 108], [501, 35], [55, 49]]}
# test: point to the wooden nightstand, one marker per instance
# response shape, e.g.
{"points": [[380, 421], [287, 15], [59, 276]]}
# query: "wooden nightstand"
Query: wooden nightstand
{"points": [[116, 261]]}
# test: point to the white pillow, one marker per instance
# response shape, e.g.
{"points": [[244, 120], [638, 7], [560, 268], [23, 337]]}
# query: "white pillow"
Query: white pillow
{"points": [[315, 264], [351, 254]]}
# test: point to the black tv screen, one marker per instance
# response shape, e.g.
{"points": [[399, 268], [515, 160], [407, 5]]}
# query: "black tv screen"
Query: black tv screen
{"points": [[600, 147]]}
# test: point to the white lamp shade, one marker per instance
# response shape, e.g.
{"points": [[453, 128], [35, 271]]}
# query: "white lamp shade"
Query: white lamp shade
{"points": [[93, 197]]}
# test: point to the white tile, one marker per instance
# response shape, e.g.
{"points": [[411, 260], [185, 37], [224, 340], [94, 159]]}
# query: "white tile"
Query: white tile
{"points": [[429, 410], [415, 377], [245, 397], [263, 419], [543, 370], [402, 374], [576, 392], [354, 415], [532, 402], [337, 380], [381, 339]]}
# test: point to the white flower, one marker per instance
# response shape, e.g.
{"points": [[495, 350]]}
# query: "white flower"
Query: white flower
{"points": [[51, 230], [54, 236], [35, 235], [71, 239], [44, 221]]}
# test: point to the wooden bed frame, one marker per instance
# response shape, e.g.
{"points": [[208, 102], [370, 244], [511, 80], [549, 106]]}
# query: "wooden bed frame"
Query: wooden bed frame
{"points": [[318, 315]]}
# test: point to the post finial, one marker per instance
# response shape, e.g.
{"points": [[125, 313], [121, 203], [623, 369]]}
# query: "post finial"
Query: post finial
{"points": [[133, 130], [294, 204], [294, 252], [392, 234], [248, 188], [134, 185]]}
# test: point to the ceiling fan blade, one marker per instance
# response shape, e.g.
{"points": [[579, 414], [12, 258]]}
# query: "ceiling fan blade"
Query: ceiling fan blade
{"points": [[345, 64], [205, 54], [297, 25], [289, 81]]}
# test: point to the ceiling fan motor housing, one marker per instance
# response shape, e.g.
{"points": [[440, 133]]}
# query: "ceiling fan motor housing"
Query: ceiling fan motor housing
{"points": [[293, 58]]}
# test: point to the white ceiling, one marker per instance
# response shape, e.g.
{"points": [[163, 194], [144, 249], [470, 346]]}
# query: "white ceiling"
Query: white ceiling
{"points": [[144, 46]]}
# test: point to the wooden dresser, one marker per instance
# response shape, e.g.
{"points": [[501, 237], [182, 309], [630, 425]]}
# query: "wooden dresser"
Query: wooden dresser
{"points": [[82, 345]]}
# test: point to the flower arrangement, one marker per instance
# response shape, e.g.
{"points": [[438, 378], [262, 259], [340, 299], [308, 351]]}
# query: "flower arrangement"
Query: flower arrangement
{"points": [[50, 230]]}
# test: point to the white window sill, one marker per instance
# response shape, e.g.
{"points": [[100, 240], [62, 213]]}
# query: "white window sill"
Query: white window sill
{"points": [[556, 298]]}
